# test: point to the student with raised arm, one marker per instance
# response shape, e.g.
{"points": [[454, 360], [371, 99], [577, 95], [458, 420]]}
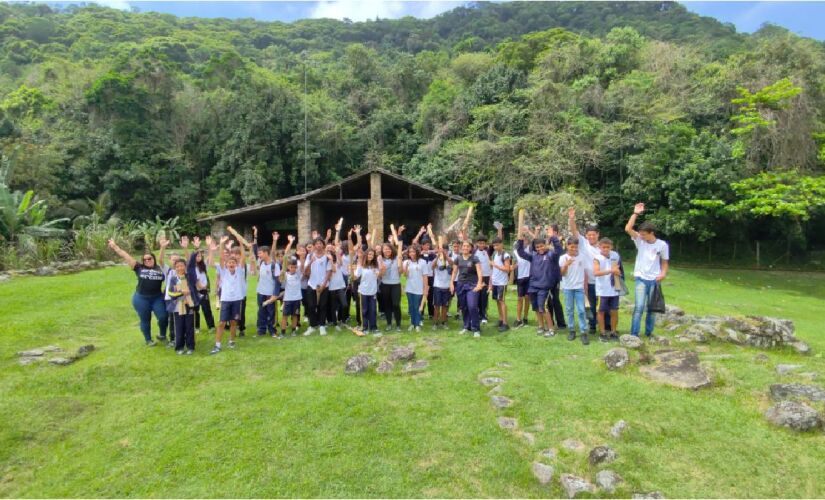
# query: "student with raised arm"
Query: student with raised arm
{"points": [[522, 286], [369, 270], [269, 285], [607, 270], [483, 254], [148, 296], [232, 294], [652, 264], [414, 268], [543, 266], [290, 278], [390, 288], [318, 271], [182, 307], [589, 246], [426, 238], [197, 270], [467, 284], [500, 262], [573, 282]]}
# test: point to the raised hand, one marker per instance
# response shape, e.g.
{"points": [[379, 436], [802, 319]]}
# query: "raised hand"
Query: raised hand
{"points": [[498, 225], [571, 213], [196, 241], [224, 239], [255, 232], [339, 224], [638, 208], [290, 238], [275, 235], [112, 244], [163, 242], [422, 230], [184, 241], [212, 244], [314, 234], [401, 228]]}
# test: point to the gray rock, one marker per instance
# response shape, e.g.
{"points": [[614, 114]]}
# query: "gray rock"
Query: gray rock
{"points": [[574, 485], [504, 364], [529, 437], [573, 444], [616, 358], [543, 472], [4, 277], [662, 341], [31, 360], [719, 356], [108, 263], [507, 422], [51, 348], [358, 364], [761, 358], [31, 353], [384, 367], [84, 351], [417, 366], [491, 381], [501, 402], [698, 332], [801, 347], [618, 429], [45, 271], [785, 369], [794, 415], [62, 361], [550, 453], [402, 354], [601, 455], [651, 494], [808, 375], [678, 369], [630, 342], [782, 392], [494, 390], [608, 480]]}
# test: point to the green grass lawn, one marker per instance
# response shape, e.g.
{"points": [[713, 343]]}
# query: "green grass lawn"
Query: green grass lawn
{"points": [[280, 418]]}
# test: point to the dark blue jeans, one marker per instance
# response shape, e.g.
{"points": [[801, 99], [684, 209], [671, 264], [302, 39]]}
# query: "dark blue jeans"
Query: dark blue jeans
{"points": [[468, 303], [266, 315], [594, 302], [368, 306], [145, 305], [644, 289]]}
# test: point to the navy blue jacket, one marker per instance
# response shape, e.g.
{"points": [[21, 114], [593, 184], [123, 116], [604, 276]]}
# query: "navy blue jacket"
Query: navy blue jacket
{"points": [[544, 268]]}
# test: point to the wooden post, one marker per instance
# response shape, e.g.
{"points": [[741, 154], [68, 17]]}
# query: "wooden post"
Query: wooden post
{"points": [[520, 223], [757, 254]]}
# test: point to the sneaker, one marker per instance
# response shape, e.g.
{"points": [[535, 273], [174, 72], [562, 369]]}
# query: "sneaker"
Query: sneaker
{"points": [[603, 338], [445, 327], [231, 344], [179, 353], [215, 350], [389, 329], [377, 333], [435, 327], [281, 337], [261, 334], [463, 331], [197, 331], [410, 328], [273, 335], [592, 330], [585, 339], [170, 344], [549, 333], [242, 333], [476, 335], [484, 321], [571, 335], [504, 327], [539, 331], [323, 331], [309, 331], [189, 352], [614, 336], [151, 343], [398, 328], [418, 329], [337, 328], [294, 332]]}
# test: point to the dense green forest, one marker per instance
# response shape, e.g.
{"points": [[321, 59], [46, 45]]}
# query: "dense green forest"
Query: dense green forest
{"points": [[143, 114]]}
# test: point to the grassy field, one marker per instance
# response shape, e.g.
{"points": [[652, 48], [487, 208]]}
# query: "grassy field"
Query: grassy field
{"points": [[280, 418]]}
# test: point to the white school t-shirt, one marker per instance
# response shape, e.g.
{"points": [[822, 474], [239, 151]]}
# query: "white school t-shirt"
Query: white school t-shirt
{"points": [[233, 286], [604, 287], [590, 251], [266, 283], [368, 284], [523, 265], [318, 270], [442, 273], [292, 286], [649, 257], [415, 276], [499, 277], [336, 281], [574, 279], [484, 260]]}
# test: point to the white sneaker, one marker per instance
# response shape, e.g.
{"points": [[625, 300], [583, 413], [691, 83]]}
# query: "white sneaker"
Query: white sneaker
{"points": [[309, 331], [337, 328], [417, 328], [323, 331], [306, 320], [476, 334], [410, 328], [484, 322], [463, 331]]}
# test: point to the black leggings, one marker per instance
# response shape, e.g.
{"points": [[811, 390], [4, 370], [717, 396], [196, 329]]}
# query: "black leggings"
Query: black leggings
{"points": [[391, 298], [337, 308], [207, 311]]}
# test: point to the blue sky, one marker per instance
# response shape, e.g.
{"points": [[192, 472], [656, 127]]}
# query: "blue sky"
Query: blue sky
{"points": [[804, 18]]}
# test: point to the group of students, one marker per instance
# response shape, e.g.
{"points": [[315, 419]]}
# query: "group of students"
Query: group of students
{"points": [[323, 277]]}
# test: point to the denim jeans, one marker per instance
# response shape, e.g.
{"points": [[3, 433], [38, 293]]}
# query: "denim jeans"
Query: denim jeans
{"points": [[266, 315], [574, 302], [644, 289], [145, 305], [468, 304], [368, 306], [413, 302]]}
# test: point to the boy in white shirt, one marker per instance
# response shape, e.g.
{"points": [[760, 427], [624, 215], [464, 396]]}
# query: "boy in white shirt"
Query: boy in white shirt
{"points": [[233, 291], [500, 275], [607, 273], [573, 285], [652, 264]]}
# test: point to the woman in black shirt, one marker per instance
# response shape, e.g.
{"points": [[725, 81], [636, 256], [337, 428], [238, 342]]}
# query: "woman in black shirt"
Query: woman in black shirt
{"points": [[148, 296], [466, 283]]}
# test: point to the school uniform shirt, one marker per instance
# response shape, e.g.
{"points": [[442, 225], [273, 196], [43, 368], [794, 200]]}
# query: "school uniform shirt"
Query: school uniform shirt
{"points": [[391, 276], [604, 284], [649, 257], [589, 251], [544, 267], [233, 286], [522, 266], [318, 270], [453, 257], [467, 269], [369, 280], [301, 266], [202, 279], [292, 286], [442, 273], [150, 279], [266, 281], [336, 281], [574, 279], [415, 276], [170, 274], [484, 259], [428, 257], [345, 265], [499, 277]]}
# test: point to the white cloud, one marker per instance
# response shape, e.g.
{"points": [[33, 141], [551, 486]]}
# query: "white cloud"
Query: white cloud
{"points": [[114, 4], [361, 10]]}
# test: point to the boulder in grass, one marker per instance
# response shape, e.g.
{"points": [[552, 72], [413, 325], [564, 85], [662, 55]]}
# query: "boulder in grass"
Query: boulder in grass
{"points": [[794, 415], [416, 366], [507, 422], [573, 444], [601, 455], [782, 392], [801, 347], [402, 354], [543, 472], [678, 369], [358, 364], [786, 369], [84, 351], [31, 353], [501, 402], [575, 485], [384, 367], [608, 480], [491, 381], [618, 429], [650, 494], [631, 341], [616, 358], [60, 361]]}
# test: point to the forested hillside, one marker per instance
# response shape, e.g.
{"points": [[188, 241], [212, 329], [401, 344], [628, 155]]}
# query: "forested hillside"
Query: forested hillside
{"points": [[722, 134]]}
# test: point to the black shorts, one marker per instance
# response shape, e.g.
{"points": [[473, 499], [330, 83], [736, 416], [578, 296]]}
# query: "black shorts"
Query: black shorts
{"points": [[523, 285], [230, 310], [608, 303], [292, 307], [499, 291], [538, 299], [441, 297]]}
